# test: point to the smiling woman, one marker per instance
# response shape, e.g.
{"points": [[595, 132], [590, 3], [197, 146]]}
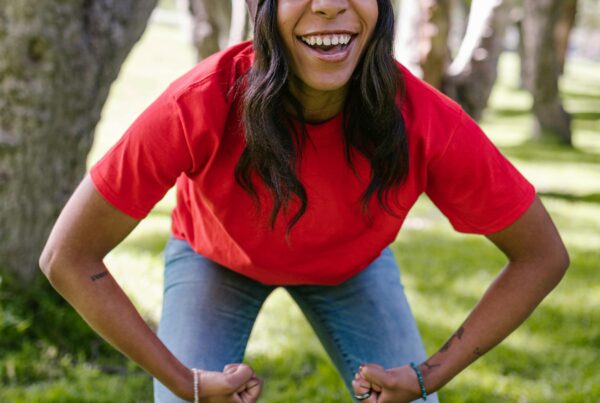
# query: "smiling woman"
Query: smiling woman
{"points": [[296, 158]]}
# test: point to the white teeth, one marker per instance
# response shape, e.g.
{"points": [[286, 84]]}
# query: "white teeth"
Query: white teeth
{"points": [[327, 40]]}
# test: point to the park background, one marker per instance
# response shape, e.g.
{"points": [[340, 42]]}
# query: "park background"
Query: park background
{"points": [[48, 354]]}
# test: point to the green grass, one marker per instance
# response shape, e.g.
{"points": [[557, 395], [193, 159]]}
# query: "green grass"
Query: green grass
{"points": [[47, 354]]}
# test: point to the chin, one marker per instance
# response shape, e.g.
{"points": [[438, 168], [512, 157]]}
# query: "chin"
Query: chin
{"points": [[327, 83]]}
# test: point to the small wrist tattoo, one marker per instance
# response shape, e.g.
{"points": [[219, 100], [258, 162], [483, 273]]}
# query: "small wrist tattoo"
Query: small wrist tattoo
{"points": [[457, 335], [98, 276], [427, 366]]}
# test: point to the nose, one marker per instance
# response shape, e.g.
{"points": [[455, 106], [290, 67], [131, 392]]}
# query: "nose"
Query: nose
{"points": [[329, 8]]}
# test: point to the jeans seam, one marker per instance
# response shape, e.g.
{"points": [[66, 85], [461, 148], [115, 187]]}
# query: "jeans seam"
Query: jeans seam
{"points": [[335, 340]]}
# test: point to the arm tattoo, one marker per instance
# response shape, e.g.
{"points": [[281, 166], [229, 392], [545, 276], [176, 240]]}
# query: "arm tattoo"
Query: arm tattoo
{"points": [[458, 335], [98, 276], [429, 366]]}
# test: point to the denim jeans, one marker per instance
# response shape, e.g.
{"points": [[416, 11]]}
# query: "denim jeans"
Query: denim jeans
{"points": [[208, 314]]}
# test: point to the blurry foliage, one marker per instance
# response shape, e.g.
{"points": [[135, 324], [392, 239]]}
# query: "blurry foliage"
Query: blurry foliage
{"points": [[45, 343]]}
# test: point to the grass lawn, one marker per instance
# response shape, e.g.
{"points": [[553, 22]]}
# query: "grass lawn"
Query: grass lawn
{"points": [[552, 357]]}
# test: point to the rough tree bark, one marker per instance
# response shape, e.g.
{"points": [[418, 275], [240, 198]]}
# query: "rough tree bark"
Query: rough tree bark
{"points": [[471, 76], [542, 69], [58, 61]]}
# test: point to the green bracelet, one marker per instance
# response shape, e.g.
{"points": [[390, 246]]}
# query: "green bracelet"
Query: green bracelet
{"points": [[420, 378]]}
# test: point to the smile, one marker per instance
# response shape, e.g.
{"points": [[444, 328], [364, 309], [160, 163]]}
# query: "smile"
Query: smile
{"points": [[327, 40], [328, 47]]}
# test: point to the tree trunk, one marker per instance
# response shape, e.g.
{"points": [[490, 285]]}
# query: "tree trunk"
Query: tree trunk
{"points": [[212, 23], [59, 59], [562, 31], [433, 45], [240, 23], [472, 74], [518, 21], [542, 69], [425, 23], [408, 22]]}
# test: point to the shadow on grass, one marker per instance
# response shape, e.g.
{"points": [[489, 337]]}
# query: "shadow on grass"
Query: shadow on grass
{"points": [[509, 112], [586, 116], [549, 151], [43, 336], [580, 95], [299, 376], [587, 198], [463, 268], [509, 374]]}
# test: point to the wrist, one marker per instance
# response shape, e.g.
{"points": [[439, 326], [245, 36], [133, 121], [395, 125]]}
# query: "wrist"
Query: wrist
{"points": [[421, 389], [184, 386]]}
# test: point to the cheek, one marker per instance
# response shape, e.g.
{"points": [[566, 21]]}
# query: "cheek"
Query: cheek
{"points": [[285, 30], [285, 18], [369, 12]]}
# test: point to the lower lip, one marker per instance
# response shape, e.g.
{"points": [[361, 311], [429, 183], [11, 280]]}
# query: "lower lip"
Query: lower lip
{"points": [[329, 57]]}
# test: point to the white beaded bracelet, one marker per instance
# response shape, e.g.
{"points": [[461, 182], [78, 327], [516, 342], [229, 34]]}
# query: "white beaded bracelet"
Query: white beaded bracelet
{"points": [[196, 381]]}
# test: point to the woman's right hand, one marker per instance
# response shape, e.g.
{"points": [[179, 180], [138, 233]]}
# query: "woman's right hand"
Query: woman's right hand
{"points": [[73, 260], [236, 384]]}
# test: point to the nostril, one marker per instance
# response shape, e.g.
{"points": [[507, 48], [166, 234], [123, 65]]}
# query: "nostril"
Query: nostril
{"points": [[328, 10]]}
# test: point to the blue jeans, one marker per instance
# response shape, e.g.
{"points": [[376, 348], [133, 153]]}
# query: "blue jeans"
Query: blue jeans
{"points": [[208, 314]]}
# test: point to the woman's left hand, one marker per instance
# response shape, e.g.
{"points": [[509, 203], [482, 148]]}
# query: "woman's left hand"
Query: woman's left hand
{"points": [[395, 385]]}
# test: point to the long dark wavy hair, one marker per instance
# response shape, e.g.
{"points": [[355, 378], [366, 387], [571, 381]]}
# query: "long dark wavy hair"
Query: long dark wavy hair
{"points": [[373, 124]]}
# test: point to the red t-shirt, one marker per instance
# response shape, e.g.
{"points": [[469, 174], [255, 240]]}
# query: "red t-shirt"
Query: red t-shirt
{"points": [[191, 136]]}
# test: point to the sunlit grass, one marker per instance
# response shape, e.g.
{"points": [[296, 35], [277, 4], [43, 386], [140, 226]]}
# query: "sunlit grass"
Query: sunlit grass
{"points": [[551, 358]]}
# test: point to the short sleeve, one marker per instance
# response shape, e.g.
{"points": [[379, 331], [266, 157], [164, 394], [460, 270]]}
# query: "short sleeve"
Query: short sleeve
{"points": [[474, 185], [146, 162]]}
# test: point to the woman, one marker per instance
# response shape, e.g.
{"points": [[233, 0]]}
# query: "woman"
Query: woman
{"points": [[296, 161]]}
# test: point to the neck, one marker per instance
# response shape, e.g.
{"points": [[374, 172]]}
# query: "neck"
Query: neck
{"points": [[318, 106]]}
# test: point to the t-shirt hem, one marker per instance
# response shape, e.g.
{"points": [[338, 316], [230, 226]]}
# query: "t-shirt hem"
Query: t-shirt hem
{"points": [[506, 221], [282, 279], [112, 198]]}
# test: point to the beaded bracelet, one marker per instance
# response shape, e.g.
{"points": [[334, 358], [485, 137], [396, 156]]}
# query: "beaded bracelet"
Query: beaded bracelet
{"points": [[196, 382], [420, 378]]}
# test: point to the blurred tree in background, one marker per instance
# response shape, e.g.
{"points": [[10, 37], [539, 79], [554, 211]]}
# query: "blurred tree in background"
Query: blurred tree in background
{"points": [[542, 69], [469, 78], [58, 61], [473, 72], [217, 24]]}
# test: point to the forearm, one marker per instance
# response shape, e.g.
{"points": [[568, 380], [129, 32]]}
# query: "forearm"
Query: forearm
{"points": [[93, 292], [506, 304]]}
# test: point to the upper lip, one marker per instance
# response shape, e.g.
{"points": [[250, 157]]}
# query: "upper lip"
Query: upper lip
{"points": [[329, 32]]}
